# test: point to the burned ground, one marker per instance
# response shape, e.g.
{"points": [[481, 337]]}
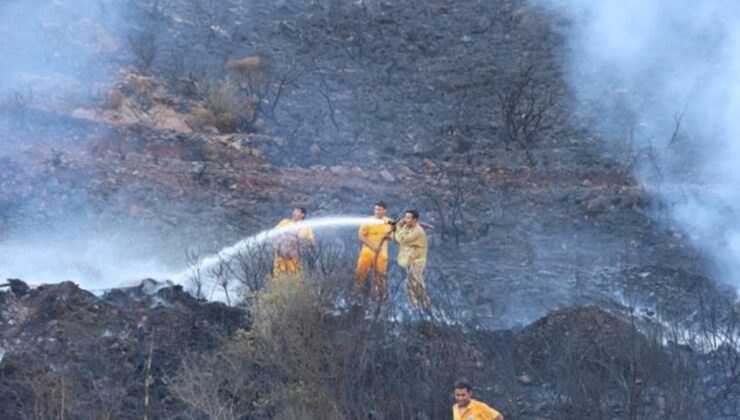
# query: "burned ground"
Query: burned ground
{"points": [[415, 103], [70, 353]]}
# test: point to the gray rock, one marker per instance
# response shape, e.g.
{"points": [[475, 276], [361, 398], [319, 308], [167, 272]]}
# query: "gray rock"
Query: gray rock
{"points": [[387, 176], [425, 149], [339, 170]]}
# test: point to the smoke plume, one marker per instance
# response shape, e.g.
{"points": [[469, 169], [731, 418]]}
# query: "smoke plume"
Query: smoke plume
{"points": [[54, 56], [660, 83]]}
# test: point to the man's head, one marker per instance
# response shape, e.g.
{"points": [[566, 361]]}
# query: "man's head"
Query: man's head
{"points": [[463, 393], [380, 209], [411, 218], [299, 213]]}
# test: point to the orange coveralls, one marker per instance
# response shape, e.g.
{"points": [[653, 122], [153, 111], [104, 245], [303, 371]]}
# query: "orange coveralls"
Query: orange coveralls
{"points": [[371, 260], [287, 245]]}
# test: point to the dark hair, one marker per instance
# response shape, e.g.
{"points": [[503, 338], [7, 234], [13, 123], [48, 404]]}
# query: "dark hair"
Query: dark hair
{"points": [[414, 213], [302, 210], [463, 384], [381, 204]]}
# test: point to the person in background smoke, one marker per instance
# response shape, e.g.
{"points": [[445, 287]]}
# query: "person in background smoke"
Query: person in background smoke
{"points": [[374, 252], [467, 408], [288, 245], [412, 255]]}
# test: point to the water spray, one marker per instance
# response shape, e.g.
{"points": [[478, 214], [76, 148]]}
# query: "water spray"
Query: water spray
{"points": [[260, 238]]}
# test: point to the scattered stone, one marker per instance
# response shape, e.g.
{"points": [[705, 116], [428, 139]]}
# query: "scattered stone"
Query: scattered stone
{"points": [[429, 166], [524, 379], [167, 118], [339, 170], [198, 168], [425, 149], [387, 176]]}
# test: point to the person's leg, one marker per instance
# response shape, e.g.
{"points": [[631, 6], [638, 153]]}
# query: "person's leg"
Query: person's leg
{"points": [[364, 264], [293, 266], [278, 266], [415, 287], [379, 285], [410, 292]]}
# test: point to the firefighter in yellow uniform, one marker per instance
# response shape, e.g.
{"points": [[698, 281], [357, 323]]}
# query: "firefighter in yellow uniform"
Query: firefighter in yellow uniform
{"points": [[288, 245], [374, 253], [412, 255], [467, 408]]}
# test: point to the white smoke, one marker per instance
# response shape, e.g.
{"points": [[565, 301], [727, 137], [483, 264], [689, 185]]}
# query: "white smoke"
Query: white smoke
{"points": [[53, 53], [637, 68], [58, 45], [95, 256]]}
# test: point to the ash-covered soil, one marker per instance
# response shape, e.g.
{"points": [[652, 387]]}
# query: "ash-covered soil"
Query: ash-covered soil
{"points": [[414, 103], [67, 352], [402, 102]]}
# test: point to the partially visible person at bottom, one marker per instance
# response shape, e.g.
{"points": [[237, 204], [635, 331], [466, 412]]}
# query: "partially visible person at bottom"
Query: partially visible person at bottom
{"points": [[374, 252], [412, 255], [466, 408], [288, 245]]}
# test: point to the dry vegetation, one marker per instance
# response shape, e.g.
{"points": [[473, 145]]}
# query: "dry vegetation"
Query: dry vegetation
{"points": [[305, 358], [301, 359]]}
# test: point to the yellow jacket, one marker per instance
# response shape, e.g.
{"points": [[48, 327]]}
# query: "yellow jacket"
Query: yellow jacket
{"points": [[413, 246], [476, 410], [288, 244], [303, 233], [375, 234]]}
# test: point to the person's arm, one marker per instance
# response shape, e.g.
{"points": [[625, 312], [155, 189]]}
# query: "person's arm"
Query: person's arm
{"points": [[492, 414], [308, 236], [395, 235]]}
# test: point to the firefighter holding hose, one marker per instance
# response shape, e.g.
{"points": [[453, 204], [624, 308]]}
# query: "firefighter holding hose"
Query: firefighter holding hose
{"points": [[412, 256], [374, 252]]}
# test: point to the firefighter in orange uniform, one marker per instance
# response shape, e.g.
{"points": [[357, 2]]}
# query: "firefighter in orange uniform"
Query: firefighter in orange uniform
{"points": [[374, 253], [288, 245], [469, 409]]}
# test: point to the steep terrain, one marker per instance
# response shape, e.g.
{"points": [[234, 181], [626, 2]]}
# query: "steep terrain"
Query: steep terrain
{"points": [[458, 109], [368, 107]]}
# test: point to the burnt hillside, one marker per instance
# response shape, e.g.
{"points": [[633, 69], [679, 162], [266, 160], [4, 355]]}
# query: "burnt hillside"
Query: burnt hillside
{"points": [[151, 133]]}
